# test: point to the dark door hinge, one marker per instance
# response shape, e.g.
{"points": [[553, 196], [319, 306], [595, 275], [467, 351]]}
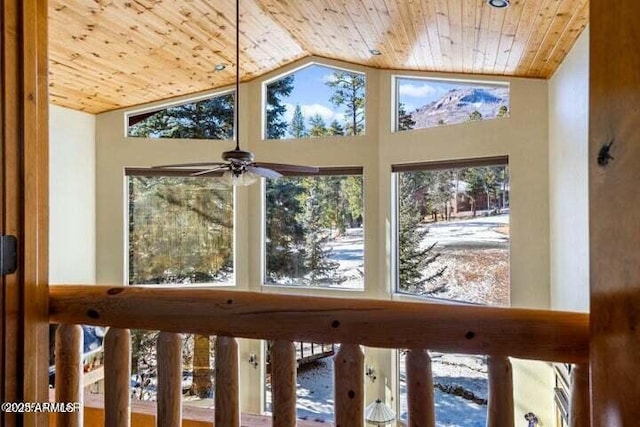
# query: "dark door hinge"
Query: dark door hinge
{"points": [[8, 255]]}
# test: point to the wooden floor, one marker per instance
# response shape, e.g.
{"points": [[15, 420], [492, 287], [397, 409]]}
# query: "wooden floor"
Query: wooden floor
{"points": [[143, 415]]}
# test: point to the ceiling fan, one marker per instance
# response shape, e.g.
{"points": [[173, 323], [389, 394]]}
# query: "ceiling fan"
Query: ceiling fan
{"points": [[239, 166]]}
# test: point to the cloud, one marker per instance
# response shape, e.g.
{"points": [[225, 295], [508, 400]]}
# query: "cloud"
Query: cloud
{"points": [[309, 110], [417, 91]]}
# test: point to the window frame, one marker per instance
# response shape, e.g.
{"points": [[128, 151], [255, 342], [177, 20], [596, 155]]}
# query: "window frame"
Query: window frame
{"points": [[148, 172], [395, 94], [263, 98], [281, 288], [396, 168]]}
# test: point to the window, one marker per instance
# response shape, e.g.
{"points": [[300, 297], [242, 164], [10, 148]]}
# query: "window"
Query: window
{"points": [[180, 230], [460, 389], [313, 102], [452, 230], [425, 103], [314, 232], [210, 118]]}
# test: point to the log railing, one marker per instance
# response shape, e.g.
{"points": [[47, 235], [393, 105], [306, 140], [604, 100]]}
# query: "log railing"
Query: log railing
{"points": [[499, 333]]}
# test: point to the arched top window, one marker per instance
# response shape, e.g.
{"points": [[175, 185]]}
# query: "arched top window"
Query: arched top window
{"points": [[205, 118], [315, 101], [424, 103]]}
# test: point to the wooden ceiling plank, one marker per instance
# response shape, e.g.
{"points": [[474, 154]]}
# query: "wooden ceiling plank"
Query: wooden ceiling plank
{"points": [[482, 39], [496, 24], [419, 54], [559, 24], [455, 29], [382, 29], [398, 13], [508, 35], [526, 27], [431, 25], [541, 27], [444, 34], [578, 23]]}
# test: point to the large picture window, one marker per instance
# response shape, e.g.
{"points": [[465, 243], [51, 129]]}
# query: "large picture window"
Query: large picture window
{"points": [[180, 230], [314, 232], [425, 103], [209, 118], [315, 101], [452, 223]]}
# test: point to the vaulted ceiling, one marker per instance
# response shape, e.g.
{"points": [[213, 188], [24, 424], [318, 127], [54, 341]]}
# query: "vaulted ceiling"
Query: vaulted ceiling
{"points": [[107, 54]]}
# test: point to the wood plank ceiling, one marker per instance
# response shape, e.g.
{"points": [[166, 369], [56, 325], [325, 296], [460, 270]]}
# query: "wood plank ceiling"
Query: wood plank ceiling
{"points": [[108, 54]]}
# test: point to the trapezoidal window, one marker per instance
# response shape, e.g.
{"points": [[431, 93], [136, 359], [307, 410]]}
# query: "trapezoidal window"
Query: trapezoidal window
{"points": [[313, 102], [209, 118], [180, 230], [452, 230], [314, 233], [426, 103]]}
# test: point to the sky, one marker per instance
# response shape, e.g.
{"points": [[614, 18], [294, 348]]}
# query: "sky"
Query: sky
{"points": [[311, 92]]}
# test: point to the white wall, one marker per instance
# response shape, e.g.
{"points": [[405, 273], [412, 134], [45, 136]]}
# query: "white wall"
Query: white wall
{"points": [[568, 195], [72, 220]]}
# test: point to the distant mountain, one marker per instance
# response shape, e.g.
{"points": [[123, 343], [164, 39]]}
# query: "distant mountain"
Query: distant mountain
{"points": [[458, 104]]}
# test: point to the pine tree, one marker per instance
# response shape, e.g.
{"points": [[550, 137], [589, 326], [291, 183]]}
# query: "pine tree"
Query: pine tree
{"points": [[335, 128], [405, 120], [207, 119], [284, 228], [503, 111], [317, 263], [276, 92], [317, 126], [475, 116], [349, 91], [297, 129], [417, 265]]}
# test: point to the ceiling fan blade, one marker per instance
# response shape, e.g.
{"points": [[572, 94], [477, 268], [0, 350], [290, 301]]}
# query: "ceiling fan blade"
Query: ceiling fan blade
{"points": [[208, 171], [287, 168], [188, 165], [267, 173]]}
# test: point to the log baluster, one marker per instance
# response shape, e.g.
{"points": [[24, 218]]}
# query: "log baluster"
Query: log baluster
{"points": [[500, 412], [117, 378], [169, 354], [69, 372], [227, 407], [579, 407], [283, 383], [349, 386], [420, 399]]}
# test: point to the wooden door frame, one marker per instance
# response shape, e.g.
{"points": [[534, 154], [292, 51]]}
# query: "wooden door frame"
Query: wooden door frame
{"points": [[24, 185]]}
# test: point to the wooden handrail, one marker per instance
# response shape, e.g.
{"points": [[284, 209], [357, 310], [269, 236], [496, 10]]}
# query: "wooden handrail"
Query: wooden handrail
{"points": [[117, 377], [169, 351], [530, 334], [68, 382], [420, 399], [348, 386], [283, 381]]}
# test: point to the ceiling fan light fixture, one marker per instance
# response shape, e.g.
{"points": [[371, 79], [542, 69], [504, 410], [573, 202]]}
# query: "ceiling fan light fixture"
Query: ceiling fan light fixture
{"points": [[499, 4], [242, 179]]}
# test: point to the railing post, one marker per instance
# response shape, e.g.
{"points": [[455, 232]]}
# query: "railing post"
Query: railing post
{"points": [[283, 383], [169, 354], [349, 386], [68, 383], [227, 407], [420, 400], [580, 407], [500, 411], [117, 378]]}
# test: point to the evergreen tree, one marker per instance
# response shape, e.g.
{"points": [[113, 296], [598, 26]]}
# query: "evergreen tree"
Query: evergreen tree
{"points": [[297, 128], [284, 228], [207, 119], [317, 263], [317, 126], [349, 92], [417, 265], [475, 116], [335, 128], [405, 120], [276, 92]]}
